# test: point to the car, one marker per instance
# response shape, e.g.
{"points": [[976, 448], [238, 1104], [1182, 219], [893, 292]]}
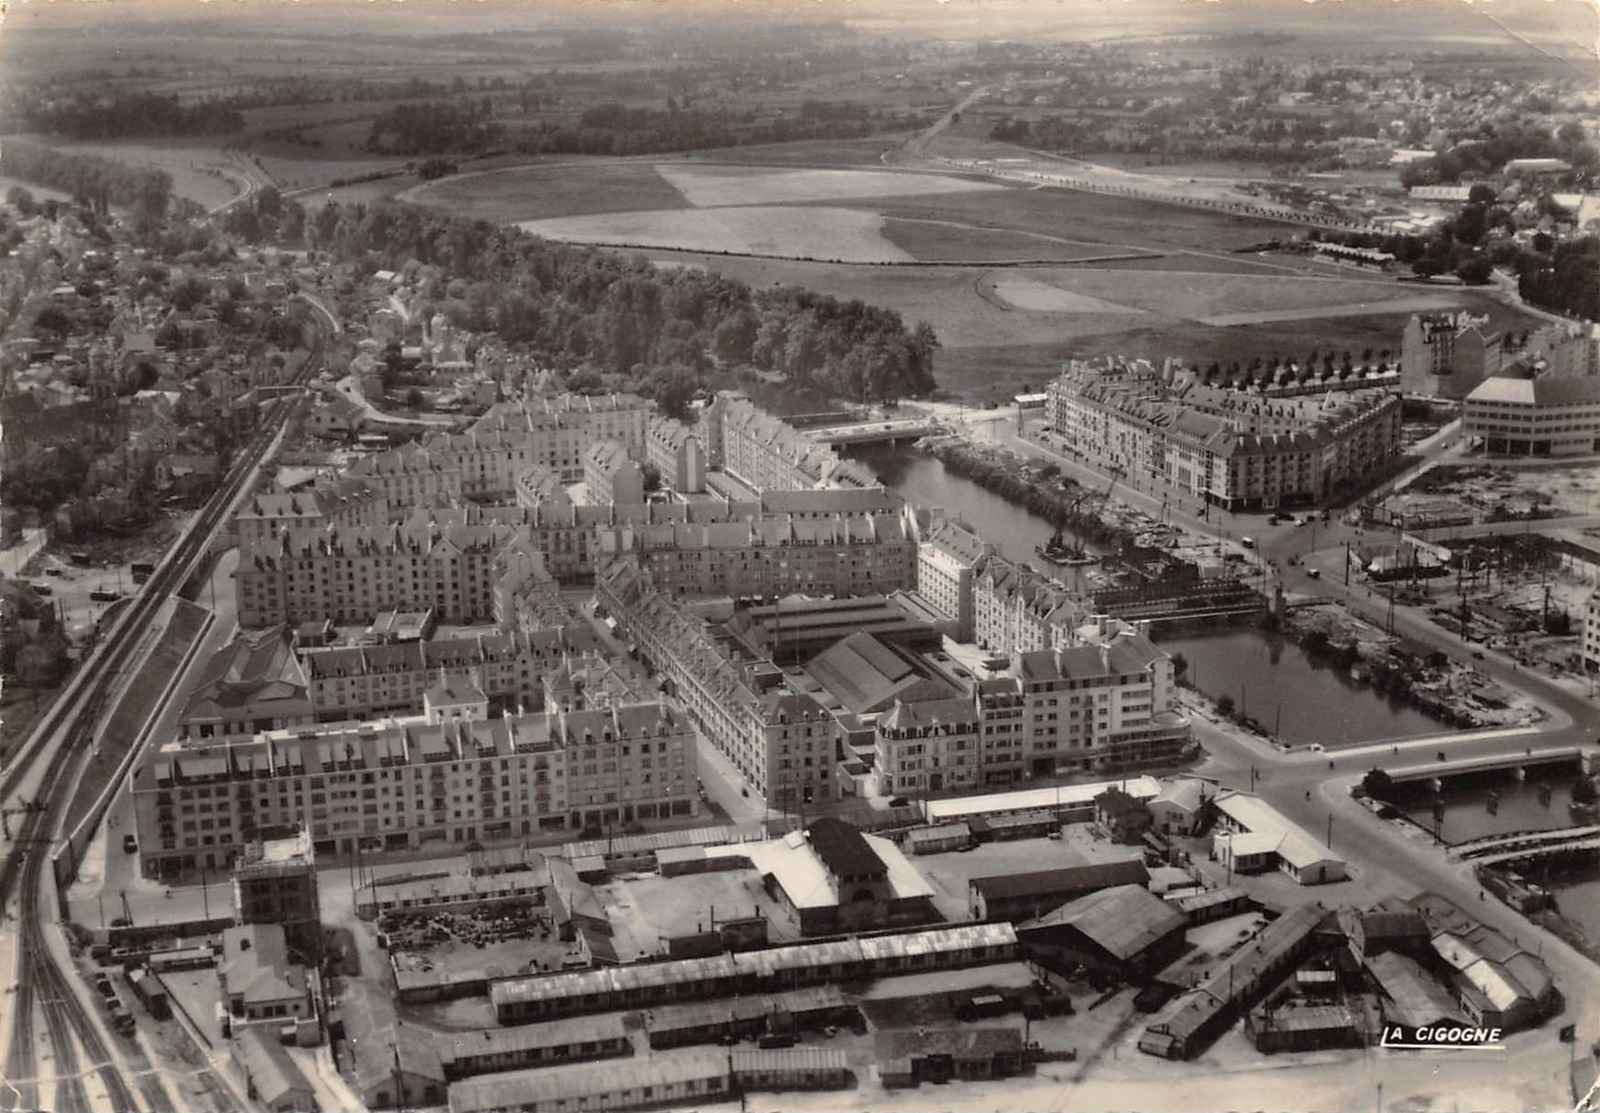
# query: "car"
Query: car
{"points": [[1477, 654], [899, 802], [130, 845], [1314, 573]]}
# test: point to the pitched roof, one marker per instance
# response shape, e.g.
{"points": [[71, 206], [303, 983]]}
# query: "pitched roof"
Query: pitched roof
{"points": [[1123, 920], [1086, 878], [844, 850]]}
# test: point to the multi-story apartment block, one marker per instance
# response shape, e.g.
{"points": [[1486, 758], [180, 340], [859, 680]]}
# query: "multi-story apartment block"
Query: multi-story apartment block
{"points": [[345, 504], [1102, 707], [678, 455], [1229, 448], [1108, 705], [611, 476], [351, 575], [766, 453], [782, 741], [947, 564], [929, 746], [773, 555], [1018, 610], [1447, 355], [1549, 415], [376, 681], [487, 461], [400, 784]]}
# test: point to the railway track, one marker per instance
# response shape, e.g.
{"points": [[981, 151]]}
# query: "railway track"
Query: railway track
{"points": [[42, 986]]}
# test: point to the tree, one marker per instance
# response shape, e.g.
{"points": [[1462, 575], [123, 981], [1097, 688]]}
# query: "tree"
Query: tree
{"points": [[1475, 271], [1225, 706], [1180, 664]]}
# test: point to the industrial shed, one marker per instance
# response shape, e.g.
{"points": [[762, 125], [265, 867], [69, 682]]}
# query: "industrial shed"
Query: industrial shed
{"points": [[532, 1045], [695, 1077], [1302, 1028], [1410, 996], [274, 1080], [912, 1056], [1125, 930], [1189, 1024], [796, 1068], [1022, 896], [938, 840], [647, 985], [743, 1017]]}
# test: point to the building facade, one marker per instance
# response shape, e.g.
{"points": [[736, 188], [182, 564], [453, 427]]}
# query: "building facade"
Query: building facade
{"points": [[947, 565], [1236, 449], [398, 784], [1549, 415]]}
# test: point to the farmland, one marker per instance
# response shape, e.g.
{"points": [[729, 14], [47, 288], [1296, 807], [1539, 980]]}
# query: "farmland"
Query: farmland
{"points": [[571, 188]]}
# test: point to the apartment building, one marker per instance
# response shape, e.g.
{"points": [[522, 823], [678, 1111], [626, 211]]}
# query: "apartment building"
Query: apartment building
{"points": [[349, 575], [766, 453], [772, 555], [929, 746], [611, 476], [1447, 355], [1545, 416], [678, 455], [781, 741], [374, 681], [1107, 706], [345, 504], [406, 784], [1018, 610], [947, 564], [1104, 707], [1234, 449], [486, 461]]}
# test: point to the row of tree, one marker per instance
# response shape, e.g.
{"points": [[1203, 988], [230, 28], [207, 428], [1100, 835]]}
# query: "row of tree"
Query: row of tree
{"points": [[129, 115]]}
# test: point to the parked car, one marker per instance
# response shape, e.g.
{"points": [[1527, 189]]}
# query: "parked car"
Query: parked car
{"points": [[130, 845]]}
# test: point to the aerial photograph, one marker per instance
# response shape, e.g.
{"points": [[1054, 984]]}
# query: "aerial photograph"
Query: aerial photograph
{"points": [[799, 556]]}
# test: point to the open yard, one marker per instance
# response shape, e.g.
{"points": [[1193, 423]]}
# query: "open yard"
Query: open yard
{"points": [[647, 909]]}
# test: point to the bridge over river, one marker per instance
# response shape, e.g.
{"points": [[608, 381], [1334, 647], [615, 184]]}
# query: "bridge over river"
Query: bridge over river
{"points": [[898, 431], [1455, 767]]}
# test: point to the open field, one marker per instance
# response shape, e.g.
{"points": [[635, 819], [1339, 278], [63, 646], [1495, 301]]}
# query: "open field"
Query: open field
{"points": [[805, 152], [295, 167], [570, 188], [940, 241], [711, 186], [790, 231]]}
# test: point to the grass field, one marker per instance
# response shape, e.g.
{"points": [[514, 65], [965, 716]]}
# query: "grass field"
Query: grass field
{"points": [[949, 241], [569, 188], [805, 152], [793, 231], [712, 186]]}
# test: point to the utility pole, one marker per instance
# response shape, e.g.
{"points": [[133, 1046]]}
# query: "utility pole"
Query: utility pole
{"points": [[1330, 831]]}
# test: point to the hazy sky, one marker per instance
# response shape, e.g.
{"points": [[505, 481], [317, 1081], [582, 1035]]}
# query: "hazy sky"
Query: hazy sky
{"points": [[1574, 23]]}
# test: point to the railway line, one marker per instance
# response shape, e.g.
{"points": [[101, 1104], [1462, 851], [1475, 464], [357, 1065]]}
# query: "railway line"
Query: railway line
{"points": [[63, 736]]}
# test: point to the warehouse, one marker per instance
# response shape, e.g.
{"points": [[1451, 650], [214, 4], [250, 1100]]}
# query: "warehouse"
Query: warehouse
{"points": [[912, 1056], [1125, 930], [1213, 904], [1190, 1023], [938, 840], [273, 1078], [695, 1077], [1070, 803], [743, 1017], [1022, 896], [647, 985], [1410, 997], [796, 1068], [532, 1045], [1302, 1028]]}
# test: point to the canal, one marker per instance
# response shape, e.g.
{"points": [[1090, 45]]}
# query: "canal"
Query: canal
{"points": [[1271, 677], [923, 481]]}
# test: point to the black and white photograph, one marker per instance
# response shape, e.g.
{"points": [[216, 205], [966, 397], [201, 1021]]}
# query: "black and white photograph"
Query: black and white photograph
{"points": [[799, 556]]}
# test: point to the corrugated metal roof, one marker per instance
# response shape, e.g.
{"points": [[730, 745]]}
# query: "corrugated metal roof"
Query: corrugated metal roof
{"points": [[586, 1081], [1123, 921]]}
